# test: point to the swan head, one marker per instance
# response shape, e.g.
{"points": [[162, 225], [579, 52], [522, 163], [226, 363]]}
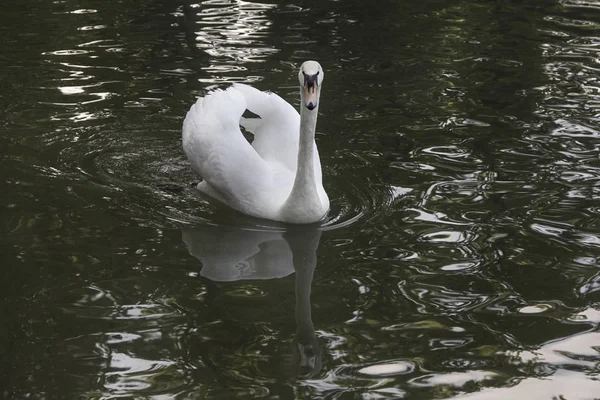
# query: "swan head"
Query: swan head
{"points": [[310, 78]]}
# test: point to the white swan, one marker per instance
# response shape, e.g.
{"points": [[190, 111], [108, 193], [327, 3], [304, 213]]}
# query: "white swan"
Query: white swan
{"points": [[278, 176]]}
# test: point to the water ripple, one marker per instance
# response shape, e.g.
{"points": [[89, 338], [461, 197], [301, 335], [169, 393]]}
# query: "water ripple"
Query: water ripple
{"points": [[460, 253], [232, 32]]}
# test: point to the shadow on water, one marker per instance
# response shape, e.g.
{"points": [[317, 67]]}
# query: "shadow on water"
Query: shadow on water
{"points": [[233, 254]]}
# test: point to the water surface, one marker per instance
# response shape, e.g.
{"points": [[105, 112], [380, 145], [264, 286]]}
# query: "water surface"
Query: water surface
{"points": [[460, 149]]}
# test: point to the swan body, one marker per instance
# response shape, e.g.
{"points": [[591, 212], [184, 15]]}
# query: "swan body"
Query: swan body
{"points": [[277, 176]]}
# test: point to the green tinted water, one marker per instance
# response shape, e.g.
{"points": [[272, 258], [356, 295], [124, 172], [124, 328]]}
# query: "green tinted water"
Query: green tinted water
{"points": [[460, 149]]}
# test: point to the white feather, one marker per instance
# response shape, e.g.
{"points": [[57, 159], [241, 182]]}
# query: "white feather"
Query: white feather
{"points": [[256, 179]]}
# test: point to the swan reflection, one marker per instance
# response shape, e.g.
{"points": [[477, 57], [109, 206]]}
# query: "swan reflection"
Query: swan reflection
{"points": [[232, 254]]}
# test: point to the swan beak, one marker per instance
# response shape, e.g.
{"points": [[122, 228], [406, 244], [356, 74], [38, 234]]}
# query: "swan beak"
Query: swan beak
{"points": [[310, 96]]}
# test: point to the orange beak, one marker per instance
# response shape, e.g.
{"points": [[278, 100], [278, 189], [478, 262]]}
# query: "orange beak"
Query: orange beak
{"points": [[310, 96]]}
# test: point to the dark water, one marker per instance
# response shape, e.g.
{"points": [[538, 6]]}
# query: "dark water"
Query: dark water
{"points": [[460, 148]]}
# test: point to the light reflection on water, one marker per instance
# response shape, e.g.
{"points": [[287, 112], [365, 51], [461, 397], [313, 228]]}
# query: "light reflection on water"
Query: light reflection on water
{"points": [[459, 259], [231, 32]]}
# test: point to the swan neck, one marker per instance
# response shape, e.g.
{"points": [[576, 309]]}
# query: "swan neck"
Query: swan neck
{"points": [[305, 173], [308, 125], [303, 204]]}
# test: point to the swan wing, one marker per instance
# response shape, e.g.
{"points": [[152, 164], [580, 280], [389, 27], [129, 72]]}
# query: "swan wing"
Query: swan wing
{"points": [[232, 169], [276, 132]]}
